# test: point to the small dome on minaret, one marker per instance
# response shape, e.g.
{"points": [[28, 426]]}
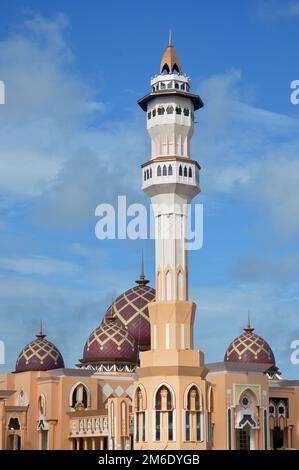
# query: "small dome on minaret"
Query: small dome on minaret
{"points": [[170, 61]]}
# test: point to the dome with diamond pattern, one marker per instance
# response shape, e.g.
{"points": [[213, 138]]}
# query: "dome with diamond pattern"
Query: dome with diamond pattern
{"points": [[39, 355]]}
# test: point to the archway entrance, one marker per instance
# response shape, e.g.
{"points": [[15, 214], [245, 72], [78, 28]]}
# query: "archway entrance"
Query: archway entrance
{"points": [[243, 438], [278, 440]]}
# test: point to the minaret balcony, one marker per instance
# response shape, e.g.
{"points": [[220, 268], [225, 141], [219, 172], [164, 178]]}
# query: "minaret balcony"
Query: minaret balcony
{"points": [[170, 171]]}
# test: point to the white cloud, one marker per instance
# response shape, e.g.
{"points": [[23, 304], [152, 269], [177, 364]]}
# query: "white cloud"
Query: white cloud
{"points": [[222, 315], [42, 265], [272, 9], [276, 188], [248, 151], [47, 105]]}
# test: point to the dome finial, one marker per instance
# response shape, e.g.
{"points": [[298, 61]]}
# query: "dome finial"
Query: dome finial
{"points": [[41, 334], [248, 328], [170, 62], [142, 281]]}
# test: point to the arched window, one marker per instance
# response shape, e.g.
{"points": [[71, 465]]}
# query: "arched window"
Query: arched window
{"points": [[185, 171], [150, 172], [180, 170], [124, 424], [183, 86], [193, 431], [80, 397], [159, 286], [161, 111], [186, 112], [178, 110], [168, 286], [169, 85], [163, 86], [180, 285], [209, 415], [169, 109], [140, 415], [169, 170], [164, 170], [147, 173], [154, 112], [165, 70], [42, 405], [14, 424], [149, 115], [164, 405], [144, 175], [176, 85], [159, 171], [190, 172]]}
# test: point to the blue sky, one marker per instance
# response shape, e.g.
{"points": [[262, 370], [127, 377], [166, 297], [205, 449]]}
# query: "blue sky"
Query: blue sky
{"points": [[72, 136]]}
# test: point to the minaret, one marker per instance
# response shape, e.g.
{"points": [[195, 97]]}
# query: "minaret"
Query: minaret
{"points": [[171, 177], [170, 393]]}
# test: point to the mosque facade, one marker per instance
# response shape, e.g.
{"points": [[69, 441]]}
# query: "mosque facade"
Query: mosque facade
{"points": [[141, 383]]}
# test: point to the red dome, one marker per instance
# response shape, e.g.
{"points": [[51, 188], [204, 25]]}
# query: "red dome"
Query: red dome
{"points": [[110, 343], [39, 355], [249, 348], [130, 310]]}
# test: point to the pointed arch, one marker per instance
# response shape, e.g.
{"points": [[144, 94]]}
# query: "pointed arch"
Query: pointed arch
{"points": [[159, 284], [159, 170], [140, 392], [79, 392], [180, 288], [168, 288], [169, 387], [186, 393]]}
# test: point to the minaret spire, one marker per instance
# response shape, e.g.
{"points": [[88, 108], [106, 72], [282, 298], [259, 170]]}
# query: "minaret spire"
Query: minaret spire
{"points": [[169, 39], [142, 281]]}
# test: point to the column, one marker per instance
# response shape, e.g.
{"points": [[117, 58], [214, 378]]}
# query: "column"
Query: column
{"points": [[93, 443], [2, 420], [101, 443], [290, 437], [85, 443], [51, 435]]}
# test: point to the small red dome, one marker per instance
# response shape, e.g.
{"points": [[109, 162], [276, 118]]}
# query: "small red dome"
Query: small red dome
{"points": [[39, 355], [130, 310], [110, 343], [249, 348]]}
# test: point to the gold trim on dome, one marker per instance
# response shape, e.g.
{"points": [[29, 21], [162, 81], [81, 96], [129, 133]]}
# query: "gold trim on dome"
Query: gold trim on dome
{"points": [[255, 340], [28, 352], [138, 311], [97, 336]]}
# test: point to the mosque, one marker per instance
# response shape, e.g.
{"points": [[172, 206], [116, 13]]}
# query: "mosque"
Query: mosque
{"points": [[140, 383]]}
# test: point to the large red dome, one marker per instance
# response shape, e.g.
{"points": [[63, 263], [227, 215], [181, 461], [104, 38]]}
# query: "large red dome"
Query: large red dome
{"points": [[110, 343], [249, 348], [39, 355], [130, 310]]}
